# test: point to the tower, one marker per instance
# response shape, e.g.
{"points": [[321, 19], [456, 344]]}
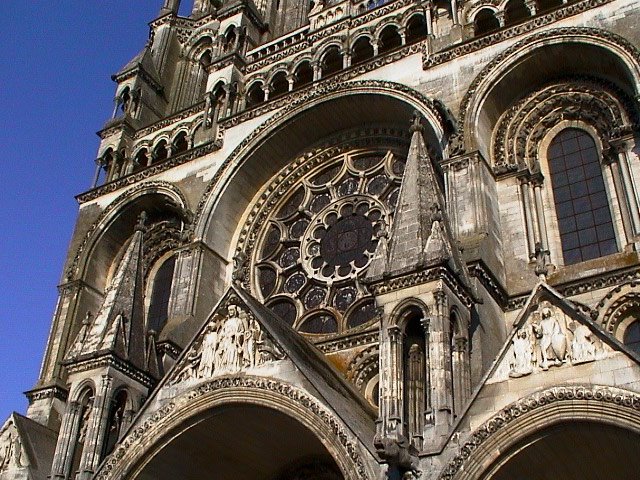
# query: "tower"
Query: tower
{"points": [[354, 240]]}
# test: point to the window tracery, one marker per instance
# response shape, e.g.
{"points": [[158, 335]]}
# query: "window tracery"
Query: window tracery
{"points": [[321, 235]]}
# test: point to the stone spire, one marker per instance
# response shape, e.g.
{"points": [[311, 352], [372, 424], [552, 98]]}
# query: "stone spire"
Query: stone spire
{"points": [[118, 327], [420, 235]]}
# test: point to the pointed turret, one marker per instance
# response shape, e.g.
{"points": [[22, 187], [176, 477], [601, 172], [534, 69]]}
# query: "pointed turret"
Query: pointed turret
{"points": [[118, 327], [420, 234]]}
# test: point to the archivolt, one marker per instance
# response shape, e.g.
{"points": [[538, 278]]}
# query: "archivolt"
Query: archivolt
{"points": [[552, 406], [521, 128], [138, 444], [113, 211], [320, 93], [506, 61]]}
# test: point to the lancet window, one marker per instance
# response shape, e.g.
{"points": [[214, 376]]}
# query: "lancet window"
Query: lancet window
{"points": [[582, 207], [415, 379], [160, 295]]}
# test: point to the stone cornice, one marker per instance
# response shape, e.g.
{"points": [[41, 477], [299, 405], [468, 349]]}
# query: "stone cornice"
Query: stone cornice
{"points": [[109, 360], [49, 392]]}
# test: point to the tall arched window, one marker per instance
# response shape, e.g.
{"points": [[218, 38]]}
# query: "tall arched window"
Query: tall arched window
{"points": [[160, 294], [85, 405], [115, 421], [582, 206]]}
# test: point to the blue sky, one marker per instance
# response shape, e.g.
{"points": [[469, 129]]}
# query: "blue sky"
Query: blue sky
{"points": [[55, 93]]}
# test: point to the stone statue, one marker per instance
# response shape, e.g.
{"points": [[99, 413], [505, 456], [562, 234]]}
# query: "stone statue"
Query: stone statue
{"points": [[231, 338], [551, 339], [582, 347], [208, 352], [252, 340], [522, 363]]}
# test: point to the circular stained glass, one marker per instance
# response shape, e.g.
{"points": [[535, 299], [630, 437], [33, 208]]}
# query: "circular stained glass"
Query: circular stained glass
{"points": [[313, 240]]}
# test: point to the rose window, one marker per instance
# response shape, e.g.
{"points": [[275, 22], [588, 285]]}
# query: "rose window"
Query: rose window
{"points": [[315, 238]]}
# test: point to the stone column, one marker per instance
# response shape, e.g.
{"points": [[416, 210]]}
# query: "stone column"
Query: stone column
{"points": [[63, 457], [394, 398], [454, 12], [525, 196], [346, 59], [539, 207], [627, 223], [96, 176], [630, 192], [439, 360], [461, 373], [96, 430], [317, 71], [414, 391]]}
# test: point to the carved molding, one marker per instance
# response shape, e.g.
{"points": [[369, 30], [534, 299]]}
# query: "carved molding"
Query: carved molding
{"points": [[541, 400], [119, 202], [521, 46], [351, 341], [120, 459], [317, 91], [521, 128], [617, 305], [363, 366], [534, 23]]}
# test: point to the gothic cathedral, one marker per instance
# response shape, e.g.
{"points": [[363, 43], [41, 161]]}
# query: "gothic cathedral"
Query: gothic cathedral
{"points": [[355, 240]]}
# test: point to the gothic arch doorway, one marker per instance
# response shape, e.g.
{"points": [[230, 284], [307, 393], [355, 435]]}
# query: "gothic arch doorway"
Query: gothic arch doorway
{"points": [[243, 442], [571, 450]]}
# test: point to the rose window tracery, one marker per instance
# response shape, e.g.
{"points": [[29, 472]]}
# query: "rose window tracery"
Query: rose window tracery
{"points": [[315, 239]]}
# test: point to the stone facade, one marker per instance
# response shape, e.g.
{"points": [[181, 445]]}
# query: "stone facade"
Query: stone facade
{"points": [[355, 240]]}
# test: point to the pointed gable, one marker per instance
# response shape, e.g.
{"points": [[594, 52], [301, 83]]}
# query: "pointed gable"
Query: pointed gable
{"points": [[420, 235], [26, 448], [243, 337], [118, 326], [549, 333], [144, 62]]}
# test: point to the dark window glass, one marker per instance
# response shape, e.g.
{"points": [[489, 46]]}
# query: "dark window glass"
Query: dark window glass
{"points": [[582, 207], [632, 337], [159, 306]]}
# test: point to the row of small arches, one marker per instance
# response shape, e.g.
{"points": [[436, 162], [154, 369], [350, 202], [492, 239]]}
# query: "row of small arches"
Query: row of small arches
{"points": [[488, 18], [332, 59]]}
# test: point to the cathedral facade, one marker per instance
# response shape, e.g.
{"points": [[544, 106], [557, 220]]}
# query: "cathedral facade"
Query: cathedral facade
{"points": [[355, 240]]}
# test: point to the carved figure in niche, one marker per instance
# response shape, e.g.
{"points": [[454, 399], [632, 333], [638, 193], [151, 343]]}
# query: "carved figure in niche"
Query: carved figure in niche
{"points": [[208, 352], [522, 363], [84, 422], [209, 109], [252, 341], [551, 339], [231, 339], [582, 347], [6, 453]]}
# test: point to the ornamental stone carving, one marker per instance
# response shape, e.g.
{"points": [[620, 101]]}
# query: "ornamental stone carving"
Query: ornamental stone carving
{"points": [[12, 456], [549, 338], [229, 344]]}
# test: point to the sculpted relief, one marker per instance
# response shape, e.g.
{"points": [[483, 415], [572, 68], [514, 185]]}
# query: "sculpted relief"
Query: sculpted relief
{"points": [[548, 339], [11, 452], [229, 344]]}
